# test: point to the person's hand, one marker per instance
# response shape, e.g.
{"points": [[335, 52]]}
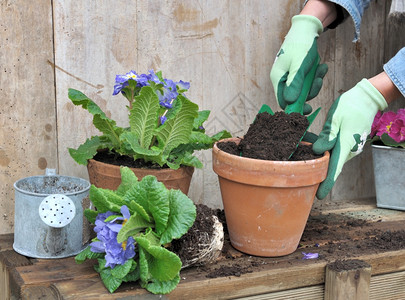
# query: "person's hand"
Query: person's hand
{"points": [[346, 129], [296, 57]]}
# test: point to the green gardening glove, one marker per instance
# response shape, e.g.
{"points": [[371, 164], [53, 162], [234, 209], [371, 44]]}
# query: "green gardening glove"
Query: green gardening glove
{"points": [[346, 129], [297, 55]]}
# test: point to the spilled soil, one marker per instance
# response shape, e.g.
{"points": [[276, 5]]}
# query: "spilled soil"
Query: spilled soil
{"points": [[338, 240]]}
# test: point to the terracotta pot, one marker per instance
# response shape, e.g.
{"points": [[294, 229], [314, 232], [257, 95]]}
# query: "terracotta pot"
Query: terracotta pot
{"points": [[108, 176], [267, 203]]}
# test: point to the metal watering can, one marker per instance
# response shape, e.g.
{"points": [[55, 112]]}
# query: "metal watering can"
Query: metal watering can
{"points": [[48, 217]]}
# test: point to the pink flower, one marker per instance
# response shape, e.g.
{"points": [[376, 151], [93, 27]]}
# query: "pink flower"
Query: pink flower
{"points": [[397, 129], [385, 123], [376, 124]]}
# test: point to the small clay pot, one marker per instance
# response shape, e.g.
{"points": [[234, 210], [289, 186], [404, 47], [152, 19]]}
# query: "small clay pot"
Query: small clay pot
{"points": [[267, 203], [108, 176]]}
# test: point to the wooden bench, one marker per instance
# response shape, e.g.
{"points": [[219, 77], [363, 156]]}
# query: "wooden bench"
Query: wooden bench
{"points": [[337, 231]]}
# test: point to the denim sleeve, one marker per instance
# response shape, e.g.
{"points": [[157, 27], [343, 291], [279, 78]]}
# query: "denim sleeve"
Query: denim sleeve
{"points": [[354, 9], [395, 69]]}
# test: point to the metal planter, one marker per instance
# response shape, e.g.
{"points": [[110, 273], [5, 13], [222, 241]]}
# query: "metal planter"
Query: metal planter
{"points": [[389, 176], [49, 220]]}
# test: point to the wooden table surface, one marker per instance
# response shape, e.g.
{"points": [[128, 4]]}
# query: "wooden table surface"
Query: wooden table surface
{"points": [[276, 278]]}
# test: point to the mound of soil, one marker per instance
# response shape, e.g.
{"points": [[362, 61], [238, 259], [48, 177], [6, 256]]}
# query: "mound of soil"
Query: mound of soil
{"points": [[273, 137]]}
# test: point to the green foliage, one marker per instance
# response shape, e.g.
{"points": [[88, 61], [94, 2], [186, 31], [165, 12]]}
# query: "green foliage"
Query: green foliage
{"points": [[158, 216], [386, 140], [172, 143]]}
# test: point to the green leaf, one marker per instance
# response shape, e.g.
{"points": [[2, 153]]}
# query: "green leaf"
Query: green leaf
{"points": [[78, 98], [100, 120], [137, 208], [87, 254], [134, 144], [181, 218], [120, 271], [128, 180], [111, 282], [177, 131], [86, 151], [90, 215], [109, 129], [388, 141], [152, 195], [163, 265], [133, 226], [99, 197], [143, 266], [184, 160], [134, 274], [201, 118], [163, 287], [221, 135], [143, 116]]}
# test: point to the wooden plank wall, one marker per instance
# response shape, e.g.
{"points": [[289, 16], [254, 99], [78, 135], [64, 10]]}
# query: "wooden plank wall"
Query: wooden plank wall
{"points": [[224, 48]]}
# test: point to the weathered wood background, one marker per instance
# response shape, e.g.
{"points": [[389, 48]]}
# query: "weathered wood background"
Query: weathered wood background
{"points": [[224, 48]]}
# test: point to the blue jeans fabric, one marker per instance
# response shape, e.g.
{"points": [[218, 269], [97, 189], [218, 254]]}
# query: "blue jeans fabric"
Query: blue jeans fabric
{"points": [[395, 67]]}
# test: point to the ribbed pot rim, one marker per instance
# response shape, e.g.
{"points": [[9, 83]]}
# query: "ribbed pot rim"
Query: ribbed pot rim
{"points": [[268, 173]]}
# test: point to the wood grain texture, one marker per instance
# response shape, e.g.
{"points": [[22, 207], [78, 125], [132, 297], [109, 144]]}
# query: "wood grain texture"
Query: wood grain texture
{"points": [[224, 48], [353, 283], [28, 142]]}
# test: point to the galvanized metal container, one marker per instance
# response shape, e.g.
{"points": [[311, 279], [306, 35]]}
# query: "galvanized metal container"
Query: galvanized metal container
{"points": [[389, 176], [49, 221]]}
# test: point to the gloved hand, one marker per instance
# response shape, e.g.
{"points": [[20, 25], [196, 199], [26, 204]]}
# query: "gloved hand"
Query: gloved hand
{"points": [[297, 55], [346, 129]]}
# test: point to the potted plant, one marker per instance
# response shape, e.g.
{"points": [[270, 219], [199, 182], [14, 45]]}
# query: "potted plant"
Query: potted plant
{"points": [[387, 139], [267, 198], [134, 225], [165, 128]]}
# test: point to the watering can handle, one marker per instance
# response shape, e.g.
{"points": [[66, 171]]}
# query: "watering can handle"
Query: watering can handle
{"points": [[298, 106]]}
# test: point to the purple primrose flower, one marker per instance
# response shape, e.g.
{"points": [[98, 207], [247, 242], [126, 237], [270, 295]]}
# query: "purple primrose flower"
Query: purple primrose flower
{"points": [[116, 253], [310, 255]]}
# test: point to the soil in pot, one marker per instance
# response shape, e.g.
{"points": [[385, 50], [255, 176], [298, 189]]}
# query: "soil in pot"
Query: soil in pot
{"points": [[104, 171], [273, 137], [124, 160]]}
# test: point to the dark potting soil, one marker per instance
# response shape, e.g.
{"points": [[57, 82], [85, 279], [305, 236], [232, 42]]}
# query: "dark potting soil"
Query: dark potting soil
{"points": [[110, 157], [336, 238], [273, 137], [186, 246]]}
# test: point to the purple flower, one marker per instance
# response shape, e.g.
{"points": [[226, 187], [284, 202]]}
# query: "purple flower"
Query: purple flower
{"points": [[163, 119], [183, 85], [116, 253], [310, 255], [124, 78], [118, 87], [121, 81]]}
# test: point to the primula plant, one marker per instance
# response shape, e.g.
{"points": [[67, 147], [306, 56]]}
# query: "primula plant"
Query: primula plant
{"points": [[133, 225], [165, 127], [389, 128]]}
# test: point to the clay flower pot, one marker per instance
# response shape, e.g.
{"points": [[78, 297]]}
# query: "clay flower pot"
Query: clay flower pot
{"points": [[108, 176], [267, 203]]}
